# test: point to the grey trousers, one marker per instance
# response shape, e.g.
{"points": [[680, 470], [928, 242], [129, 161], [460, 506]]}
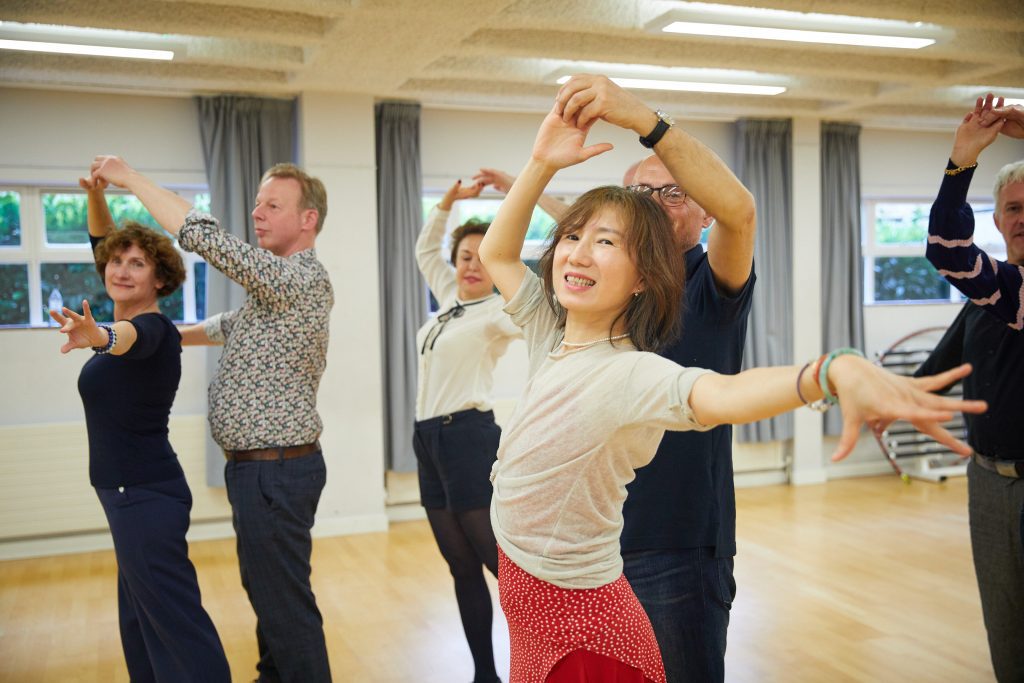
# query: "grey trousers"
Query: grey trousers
{"points": [[997, 541]]}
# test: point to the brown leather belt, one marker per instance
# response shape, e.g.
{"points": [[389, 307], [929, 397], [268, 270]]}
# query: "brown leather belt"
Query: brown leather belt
{"points": [[1007, 468], [279, 453]]}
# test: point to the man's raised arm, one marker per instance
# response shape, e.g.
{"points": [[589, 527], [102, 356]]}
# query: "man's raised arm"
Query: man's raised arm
{"points": [[698, 171]]}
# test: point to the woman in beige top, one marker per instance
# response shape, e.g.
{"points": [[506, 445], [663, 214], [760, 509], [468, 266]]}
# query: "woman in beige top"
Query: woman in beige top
{"points": [[597, 402], [456, 438]]}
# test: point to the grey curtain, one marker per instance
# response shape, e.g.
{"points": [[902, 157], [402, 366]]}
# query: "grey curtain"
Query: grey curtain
{"points": [[242, 137], [842, 291], [403, 301], [764, 165]]}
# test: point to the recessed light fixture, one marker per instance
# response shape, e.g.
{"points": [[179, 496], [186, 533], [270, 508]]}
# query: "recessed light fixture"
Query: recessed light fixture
{"points": [[90, 50], [796, 35], [692, 86]]}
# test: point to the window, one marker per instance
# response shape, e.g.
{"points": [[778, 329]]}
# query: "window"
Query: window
{"points": [[895, 233], [46, 260]]}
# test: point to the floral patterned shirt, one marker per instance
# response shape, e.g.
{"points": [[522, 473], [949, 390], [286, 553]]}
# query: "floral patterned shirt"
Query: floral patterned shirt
{"points": [[275, 345]]}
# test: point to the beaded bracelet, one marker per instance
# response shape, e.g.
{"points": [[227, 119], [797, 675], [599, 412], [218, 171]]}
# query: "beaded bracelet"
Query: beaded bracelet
{"points": [[111, 341], [819, 406], [830, 397]]}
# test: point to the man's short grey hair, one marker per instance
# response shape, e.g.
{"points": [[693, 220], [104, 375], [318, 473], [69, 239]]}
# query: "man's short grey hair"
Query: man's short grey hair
{"points": [[1011, 173]]}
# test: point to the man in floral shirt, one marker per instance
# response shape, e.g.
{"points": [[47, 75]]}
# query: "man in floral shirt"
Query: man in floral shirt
{"points": [[262, 402]]}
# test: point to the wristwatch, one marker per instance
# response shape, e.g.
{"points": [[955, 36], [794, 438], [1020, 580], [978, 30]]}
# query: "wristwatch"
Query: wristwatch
{"points": [[664, 123]]}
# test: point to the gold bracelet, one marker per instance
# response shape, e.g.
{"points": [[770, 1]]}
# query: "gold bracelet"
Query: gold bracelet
{"points": [[960, 169]]}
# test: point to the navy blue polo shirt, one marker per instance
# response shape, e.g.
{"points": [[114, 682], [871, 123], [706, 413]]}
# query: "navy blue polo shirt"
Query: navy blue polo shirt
{"points": [[685, 498]]}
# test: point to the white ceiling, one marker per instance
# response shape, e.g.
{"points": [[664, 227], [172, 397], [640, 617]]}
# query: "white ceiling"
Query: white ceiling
{"points": [[505, 54]]}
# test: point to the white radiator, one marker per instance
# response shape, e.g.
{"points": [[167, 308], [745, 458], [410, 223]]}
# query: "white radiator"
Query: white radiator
{"points": [[44, 479]]}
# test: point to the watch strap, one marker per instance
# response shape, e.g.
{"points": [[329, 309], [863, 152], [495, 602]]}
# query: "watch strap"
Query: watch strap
{"points": [[652, 138]]}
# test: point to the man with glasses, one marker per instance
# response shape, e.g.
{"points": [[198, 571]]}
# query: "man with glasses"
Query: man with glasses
{"points": [[679, 536]]}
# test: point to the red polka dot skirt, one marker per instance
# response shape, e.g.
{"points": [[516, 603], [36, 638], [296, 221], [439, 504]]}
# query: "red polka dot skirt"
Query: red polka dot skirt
{"points": [[546, 623]]}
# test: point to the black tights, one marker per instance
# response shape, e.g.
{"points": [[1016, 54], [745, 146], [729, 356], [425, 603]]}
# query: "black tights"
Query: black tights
{"points": [[467, 544]]}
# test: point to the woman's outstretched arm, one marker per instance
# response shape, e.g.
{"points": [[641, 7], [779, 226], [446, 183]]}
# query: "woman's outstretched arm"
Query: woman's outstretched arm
{"points": [[866, 393]]}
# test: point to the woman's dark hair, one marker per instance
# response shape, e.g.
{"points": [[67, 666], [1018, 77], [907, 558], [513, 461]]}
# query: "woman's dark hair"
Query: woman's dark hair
{"points": [[652, 317], [167, 263], [474, 226]]}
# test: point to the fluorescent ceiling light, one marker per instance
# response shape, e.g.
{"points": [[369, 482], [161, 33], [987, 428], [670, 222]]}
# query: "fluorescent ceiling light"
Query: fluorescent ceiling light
{"points": [[692, 86], [91, 50], [796, 35], [78, 40]]}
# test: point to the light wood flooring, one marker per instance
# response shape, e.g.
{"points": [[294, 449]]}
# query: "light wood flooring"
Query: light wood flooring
{"points": [[855, 580]]}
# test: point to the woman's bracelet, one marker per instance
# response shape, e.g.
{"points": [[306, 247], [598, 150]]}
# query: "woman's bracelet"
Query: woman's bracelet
{"points": [[819, 406], [111, 340], [830, 396]]}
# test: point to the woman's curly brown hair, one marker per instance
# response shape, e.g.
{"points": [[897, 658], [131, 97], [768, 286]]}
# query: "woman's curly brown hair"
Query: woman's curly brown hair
{"points": [[167, 264]]}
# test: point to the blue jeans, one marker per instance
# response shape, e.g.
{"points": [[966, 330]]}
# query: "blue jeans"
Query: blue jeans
{"points": [[687, 595], [996, 507], [273, 504], [165, 632]]}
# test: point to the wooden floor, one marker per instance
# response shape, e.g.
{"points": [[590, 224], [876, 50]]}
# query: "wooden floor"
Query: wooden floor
{"points": [[855, 580]]}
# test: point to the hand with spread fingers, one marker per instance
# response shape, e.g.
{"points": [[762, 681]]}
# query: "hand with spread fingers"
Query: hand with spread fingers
{"points": [[81, 329], [868, 394]]}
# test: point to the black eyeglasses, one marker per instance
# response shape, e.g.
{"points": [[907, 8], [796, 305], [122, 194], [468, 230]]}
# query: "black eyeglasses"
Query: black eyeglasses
{"points": [[670, 195], [456, 311]]}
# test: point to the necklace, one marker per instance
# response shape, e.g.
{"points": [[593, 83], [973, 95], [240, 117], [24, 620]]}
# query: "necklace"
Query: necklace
{"points": [[583, 345]]}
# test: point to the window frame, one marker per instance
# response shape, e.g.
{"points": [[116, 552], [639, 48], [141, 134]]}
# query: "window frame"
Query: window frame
{"points": [[35, 251]]}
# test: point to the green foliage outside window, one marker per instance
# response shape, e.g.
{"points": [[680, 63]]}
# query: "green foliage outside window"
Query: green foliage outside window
{"points": [[66, 215], [14, 294], [908, 278], [10, 219], [901, 223]]}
